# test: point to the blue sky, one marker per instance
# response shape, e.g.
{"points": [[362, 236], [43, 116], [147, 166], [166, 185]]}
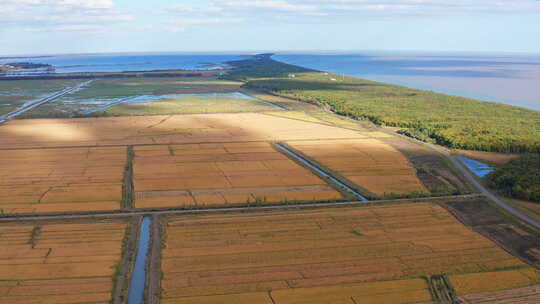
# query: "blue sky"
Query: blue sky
{"points": [[83, 26]]}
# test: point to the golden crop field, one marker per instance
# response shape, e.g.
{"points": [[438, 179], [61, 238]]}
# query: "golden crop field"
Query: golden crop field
{"points": [[193, 128], [494, 281], [61, 180], [369, 163], [370, 254], [59, 263], [220, 174]]}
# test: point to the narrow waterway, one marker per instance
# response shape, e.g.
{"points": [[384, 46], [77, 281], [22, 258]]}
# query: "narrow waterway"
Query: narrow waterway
{"points": [[138, 276], [321, 172]]}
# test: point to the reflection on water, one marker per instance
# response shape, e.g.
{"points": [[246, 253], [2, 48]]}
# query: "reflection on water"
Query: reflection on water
{"points": [[508, 79], [110, 102], [479, 168]]}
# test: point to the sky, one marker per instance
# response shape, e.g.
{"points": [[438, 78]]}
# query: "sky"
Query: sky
{"points": [[92, 26]]}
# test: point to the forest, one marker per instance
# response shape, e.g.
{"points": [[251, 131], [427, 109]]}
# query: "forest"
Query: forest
{"points": [[451, 121], [520, 178]]}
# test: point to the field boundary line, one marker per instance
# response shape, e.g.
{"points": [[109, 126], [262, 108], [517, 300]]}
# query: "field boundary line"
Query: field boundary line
{"points": [[269, 207], [164, 144]]}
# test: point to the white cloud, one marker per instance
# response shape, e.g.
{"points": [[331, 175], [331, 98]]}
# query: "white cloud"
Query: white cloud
{"points": [[60, 15], [341, 11], [280, 5]]}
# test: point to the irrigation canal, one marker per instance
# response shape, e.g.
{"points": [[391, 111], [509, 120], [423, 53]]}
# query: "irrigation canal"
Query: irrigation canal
{"points": [[319, 171], [138, 275]]}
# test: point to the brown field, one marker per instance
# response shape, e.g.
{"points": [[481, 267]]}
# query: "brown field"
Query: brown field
{"points": [[368, 254], [219, 174], [59, 263], [525, 295], [369, 163], [195, 128], [61, 180]]}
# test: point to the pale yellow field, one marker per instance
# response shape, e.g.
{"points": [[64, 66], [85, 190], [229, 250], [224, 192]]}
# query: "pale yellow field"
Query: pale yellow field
{"points": [[370, 254], [59, 263], [369, 163], [61, 180], [221, 174], [157, 129]]}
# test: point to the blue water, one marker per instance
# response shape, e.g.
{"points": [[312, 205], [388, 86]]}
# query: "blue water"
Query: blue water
{"points": [[138, 277], [478, 168], [126, 62], [108, 103], [510, 79]]}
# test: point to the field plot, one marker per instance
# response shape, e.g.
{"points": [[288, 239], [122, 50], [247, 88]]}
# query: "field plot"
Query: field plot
{"points": [[494, 281], [158, 129], [104, 92], [523, 295], [369, 254], [14, 94], [61, 180], [49, 263], [514, 236], [219, 174], [369, 163], [180, 104]]}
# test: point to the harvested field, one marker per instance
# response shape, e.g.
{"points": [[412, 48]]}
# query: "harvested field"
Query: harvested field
{"points": [[515, 237], [512, 296], [195, 128], [61, 180], [432, 169], [221, 174], [369, 254], [368, 163], [59, 263]]}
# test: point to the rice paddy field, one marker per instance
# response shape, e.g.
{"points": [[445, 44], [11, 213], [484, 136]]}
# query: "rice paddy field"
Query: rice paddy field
{"points": [[155, 96], [188, 105], [61, 180], [374, 166], [221, 174], [14, 94], [375, 254], [188, 143], [59, 263], [58, 165], [162, 129]]}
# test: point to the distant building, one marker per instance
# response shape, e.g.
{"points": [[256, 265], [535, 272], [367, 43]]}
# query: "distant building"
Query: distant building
{"points": [[292, 76]]}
